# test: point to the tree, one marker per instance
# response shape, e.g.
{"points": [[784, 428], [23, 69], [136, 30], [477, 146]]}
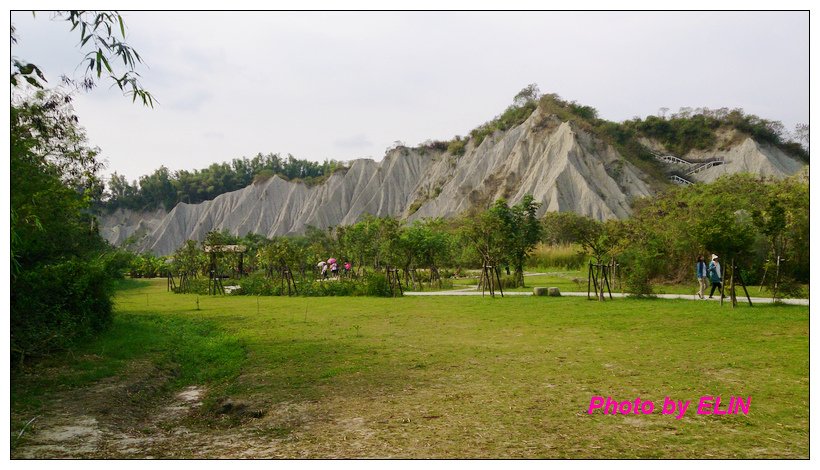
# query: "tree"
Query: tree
{"points": [[435, 249], [738, 217], [528, 94], [356, 242], [569, 227], [783, 221], [276, 255], [801, 135], [189, 259], [61, 269], [424, 243], [483, 232], [60, 284], [522, 231]]}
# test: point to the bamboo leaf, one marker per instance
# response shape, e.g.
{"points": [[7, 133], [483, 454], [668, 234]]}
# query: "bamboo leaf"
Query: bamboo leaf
{"points": [[107, 66], [34, 82], [39, 73]]}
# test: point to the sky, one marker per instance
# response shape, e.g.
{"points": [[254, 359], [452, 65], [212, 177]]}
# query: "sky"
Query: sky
{"points": [[346, 85]]}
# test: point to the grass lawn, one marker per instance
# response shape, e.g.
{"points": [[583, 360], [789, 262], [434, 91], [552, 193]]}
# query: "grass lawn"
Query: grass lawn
{"points": [[451, 376]]}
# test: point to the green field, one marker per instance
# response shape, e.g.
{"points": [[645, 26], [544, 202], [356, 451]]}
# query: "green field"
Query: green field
{"points": [[422, 377]]}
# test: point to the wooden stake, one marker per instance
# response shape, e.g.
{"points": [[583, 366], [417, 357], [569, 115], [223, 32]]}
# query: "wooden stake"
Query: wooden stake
{"points": [[500, 287], [732, 297], [776, 278]]}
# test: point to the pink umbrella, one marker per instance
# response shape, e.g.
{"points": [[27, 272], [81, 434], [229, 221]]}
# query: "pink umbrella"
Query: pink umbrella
{"points": [[331, 261]]}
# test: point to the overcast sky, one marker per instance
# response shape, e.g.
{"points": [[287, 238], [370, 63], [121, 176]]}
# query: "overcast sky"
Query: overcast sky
{"points": [[347, 85]]}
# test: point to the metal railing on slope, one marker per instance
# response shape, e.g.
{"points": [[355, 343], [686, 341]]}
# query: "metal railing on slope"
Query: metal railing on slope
{"points": [[680, 180]]}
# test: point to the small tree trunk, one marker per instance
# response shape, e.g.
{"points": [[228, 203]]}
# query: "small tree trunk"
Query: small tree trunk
{"points": [[519, 276]]}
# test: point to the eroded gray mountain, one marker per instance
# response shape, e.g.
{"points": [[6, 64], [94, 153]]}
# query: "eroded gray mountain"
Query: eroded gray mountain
{"points": [[563, 167]]}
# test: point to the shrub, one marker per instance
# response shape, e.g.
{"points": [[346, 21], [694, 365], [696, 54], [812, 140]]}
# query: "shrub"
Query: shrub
{"points": [[639, 268], [263, 176], [54, 305], [456, 146], [375, 285], [416, 205], [117, 263], [330, 288], [257, 284], [508, 282], [197, 285]]}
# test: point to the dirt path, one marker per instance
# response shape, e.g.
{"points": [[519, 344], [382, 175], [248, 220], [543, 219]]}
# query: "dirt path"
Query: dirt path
{"points": [[134, 417], [130, 417]]}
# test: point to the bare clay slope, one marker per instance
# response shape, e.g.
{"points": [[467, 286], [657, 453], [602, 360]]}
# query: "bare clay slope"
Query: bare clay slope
{"points": [[750, 157], [562, 167], [122, 224], [279, 207]]}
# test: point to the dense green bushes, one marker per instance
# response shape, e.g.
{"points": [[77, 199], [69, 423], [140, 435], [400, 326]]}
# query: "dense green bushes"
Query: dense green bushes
{"points": [[372, 284], [750, 219], [679, 134], [738, 217], [687, 130], [61, 268], [147, 265], [58, 303]]}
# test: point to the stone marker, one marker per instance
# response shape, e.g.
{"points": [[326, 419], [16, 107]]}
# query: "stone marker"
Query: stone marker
{"points": [[539, 291], [554, 292]]}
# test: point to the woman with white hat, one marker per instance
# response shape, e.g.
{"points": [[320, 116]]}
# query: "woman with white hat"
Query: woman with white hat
{"points": [[715, 276]]}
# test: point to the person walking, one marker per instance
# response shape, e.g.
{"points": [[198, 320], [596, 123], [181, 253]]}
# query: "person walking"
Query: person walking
{"points": [[715, 276], [334, 269], [700, 273], [321, 266]]}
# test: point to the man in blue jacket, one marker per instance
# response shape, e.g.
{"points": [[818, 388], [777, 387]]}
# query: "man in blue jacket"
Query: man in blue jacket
{"points": [[700, 273]]}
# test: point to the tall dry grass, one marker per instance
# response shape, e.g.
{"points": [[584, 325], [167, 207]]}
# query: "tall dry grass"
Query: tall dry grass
{"points": [[566, 256]]}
